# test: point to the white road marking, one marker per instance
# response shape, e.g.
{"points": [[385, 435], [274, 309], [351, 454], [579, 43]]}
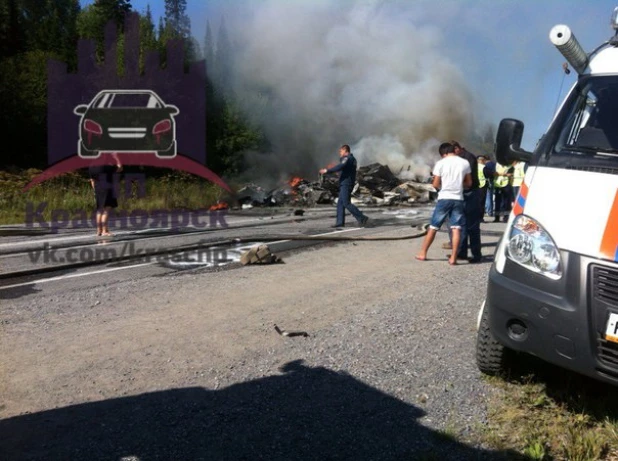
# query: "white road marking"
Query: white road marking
{"points": [[88, 237], [113, 269], [62, 277]]}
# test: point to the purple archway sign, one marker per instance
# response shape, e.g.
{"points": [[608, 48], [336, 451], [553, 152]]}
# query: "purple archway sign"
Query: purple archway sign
{"points": [[85, 109]]}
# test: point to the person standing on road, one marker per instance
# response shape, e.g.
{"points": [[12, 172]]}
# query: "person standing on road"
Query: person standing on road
{"points": [[347, 179], [473, 210], [451, 175], [518, 177], [489, 171], [503, 192], [102, 182], [483, 184]]}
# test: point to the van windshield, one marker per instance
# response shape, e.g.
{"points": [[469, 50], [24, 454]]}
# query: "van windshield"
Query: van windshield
{"points": [[585, 133]]}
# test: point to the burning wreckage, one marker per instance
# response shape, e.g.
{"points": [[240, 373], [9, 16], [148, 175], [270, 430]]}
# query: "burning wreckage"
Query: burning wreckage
{"points": [[375, 185]]}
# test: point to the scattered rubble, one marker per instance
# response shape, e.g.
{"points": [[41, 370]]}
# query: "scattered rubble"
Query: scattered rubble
{"points": [[259, 254], [376, 185], [291, 333]]}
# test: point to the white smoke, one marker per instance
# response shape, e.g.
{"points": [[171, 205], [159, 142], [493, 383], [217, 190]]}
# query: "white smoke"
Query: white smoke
{"points": [[316, 75]]}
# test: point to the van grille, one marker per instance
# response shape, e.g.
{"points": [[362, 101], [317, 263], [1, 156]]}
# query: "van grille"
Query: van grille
{"points": [[607, 351], [604, 300], [605, 285]]}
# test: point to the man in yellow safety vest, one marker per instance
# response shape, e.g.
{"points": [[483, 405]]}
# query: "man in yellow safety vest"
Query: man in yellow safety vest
{"points": [[483, 184], [518, 177], [503, 192]]}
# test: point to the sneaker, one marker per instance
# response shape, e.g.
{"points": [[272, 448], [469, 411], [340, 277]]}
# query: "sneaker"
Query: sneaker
{"points": [[337, 226], [475, 260], [364, 221]]}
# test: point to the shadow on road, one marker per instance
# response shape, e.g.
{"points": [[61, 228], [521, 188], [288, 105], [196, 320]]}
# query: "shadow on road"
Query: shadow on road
{"points": [[304, 413], [23, 231], [18, 292]]}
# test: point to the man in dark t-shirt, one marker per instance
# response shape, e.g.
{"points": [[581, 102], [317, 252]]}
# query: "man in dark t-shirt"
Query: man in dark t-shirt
{"points": [[102, 182], [472, 204]]}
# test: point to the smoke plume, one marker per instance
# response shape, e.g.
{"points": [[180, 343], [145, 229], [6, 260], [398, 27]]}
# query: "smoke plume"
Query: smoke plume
{"points": [[315, 75]]}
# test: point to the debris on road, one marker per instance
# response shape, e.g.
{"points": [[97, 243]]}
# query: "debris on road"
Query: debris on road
{"points": [[259, 254], [251, 194], [376, 185], [291, 333], [377, 177]]}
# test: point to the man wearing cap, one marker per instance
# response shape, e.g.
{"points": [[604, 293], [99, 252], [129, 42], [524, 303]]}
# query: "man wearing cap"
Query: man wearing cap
{"points": [[347, 179]]}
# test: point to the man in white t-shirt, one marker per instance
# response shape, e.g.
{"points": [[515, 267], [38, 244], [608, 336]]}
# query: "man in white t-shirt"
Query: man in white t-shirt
{"points": [[451, 175]]}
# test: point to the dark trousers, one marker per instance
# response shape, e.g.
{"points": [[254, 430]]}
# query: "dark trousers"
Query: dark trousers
{"points": [[483, 199], [472, 232], [503, 199], [343, 203]]}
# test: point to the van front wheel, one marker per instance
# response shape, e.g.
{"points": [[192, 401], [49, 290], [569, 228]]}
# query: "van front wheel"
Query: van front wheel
{"points": [[491, 356]]}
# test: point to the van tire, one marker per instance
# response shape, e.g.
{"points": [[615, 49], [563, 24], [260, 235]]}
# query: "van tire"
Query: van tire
{"points": [[491, 356]]}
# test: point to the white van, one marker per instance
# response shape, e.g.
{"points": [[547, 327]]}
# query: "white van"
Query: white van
{"points": [[553, 286]]}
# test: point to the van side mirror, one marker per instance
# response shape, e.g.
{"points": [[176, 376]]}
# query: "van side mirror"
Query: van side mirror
{"points": [[508, 141]]}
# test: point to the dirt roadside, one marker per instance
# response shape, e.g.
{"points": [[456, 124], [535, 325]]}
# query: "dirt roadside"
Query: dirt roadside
{"points": [[402, 327]]}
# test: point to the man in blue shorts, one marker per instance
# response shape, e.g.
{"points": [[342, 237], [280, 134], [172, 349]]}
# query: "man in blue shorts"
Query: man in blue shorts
{"points": [[451, 175]]}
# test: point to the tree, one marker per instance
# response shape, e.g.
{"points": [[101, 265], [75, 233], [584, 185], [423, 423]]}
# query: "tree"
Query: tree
{"points": [[209, 46], [178, 27], [148, 37], [92, 20], [32, 31], [176, 19], [113, 9], [223, 59], [23, 98], [12, 34]]}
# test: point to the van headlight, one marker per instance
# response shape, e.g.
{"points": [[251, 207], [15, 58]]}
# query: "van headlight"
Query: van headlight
{"points": [[531, 246]]}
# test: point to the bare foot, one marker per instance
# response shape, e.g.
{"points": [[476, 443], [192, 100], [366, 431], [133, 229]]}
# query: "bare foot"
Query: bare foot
{"points": [[452, 262], [421, 258]]}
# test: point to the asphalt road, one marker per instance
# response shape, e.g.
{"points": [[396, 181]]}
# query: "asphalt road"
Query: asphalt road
{"points": [[147, 361]]}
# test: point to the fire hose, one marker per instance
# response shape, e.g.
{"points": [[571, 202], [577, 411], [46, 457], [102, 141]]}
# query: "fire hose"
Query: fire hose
{"points": [[336, 238], [230, 241]]}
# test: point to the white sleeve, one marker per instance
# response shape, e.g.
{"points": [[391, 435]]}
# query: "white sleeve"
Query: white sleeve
{"points": [[437, 169]]}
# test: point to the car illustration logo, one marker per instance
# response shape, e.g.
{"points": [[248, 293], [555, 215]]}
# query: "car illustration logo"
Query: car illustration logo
{"points": [[127, 121]]}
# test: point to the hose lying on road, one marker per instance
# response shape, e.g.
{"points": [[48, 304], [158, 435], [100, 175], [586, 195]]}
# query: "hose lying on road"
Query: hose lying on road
{"points": [[203, 245], [343, 238]]}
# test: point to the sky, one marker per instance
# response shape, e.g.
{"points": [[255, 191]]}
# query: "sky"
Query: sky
{"points": [[502, 47]]}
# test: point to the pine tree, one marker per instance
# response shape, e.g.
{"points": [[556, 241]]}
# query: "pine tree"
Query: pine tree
{"points": [[209, 47], [148, 37], [12, 33], [176, 18], [92, 20], [223, 58], [113, 9]]}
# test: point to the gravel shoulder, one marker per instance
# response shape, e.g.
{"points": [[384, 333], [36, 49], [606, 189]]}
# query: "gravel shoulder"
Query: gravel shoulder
{"points": [[189, 366]]}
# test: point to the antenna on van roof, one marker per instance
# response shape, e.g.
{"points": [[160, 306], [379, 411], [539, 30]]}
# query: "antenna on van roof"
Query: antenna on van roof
{"points": [[567, 71]]}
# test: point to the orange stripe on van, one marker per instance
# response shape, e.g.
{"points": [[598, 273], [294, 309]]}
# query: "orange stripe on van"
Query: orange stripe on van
{"points": [[609, 243], [520, 200]]}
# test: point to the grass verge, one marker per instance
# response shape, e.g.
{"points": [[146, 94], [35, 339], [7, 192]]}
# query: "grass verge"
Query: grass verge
{"points": [[547, 413], [72, 192]]}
